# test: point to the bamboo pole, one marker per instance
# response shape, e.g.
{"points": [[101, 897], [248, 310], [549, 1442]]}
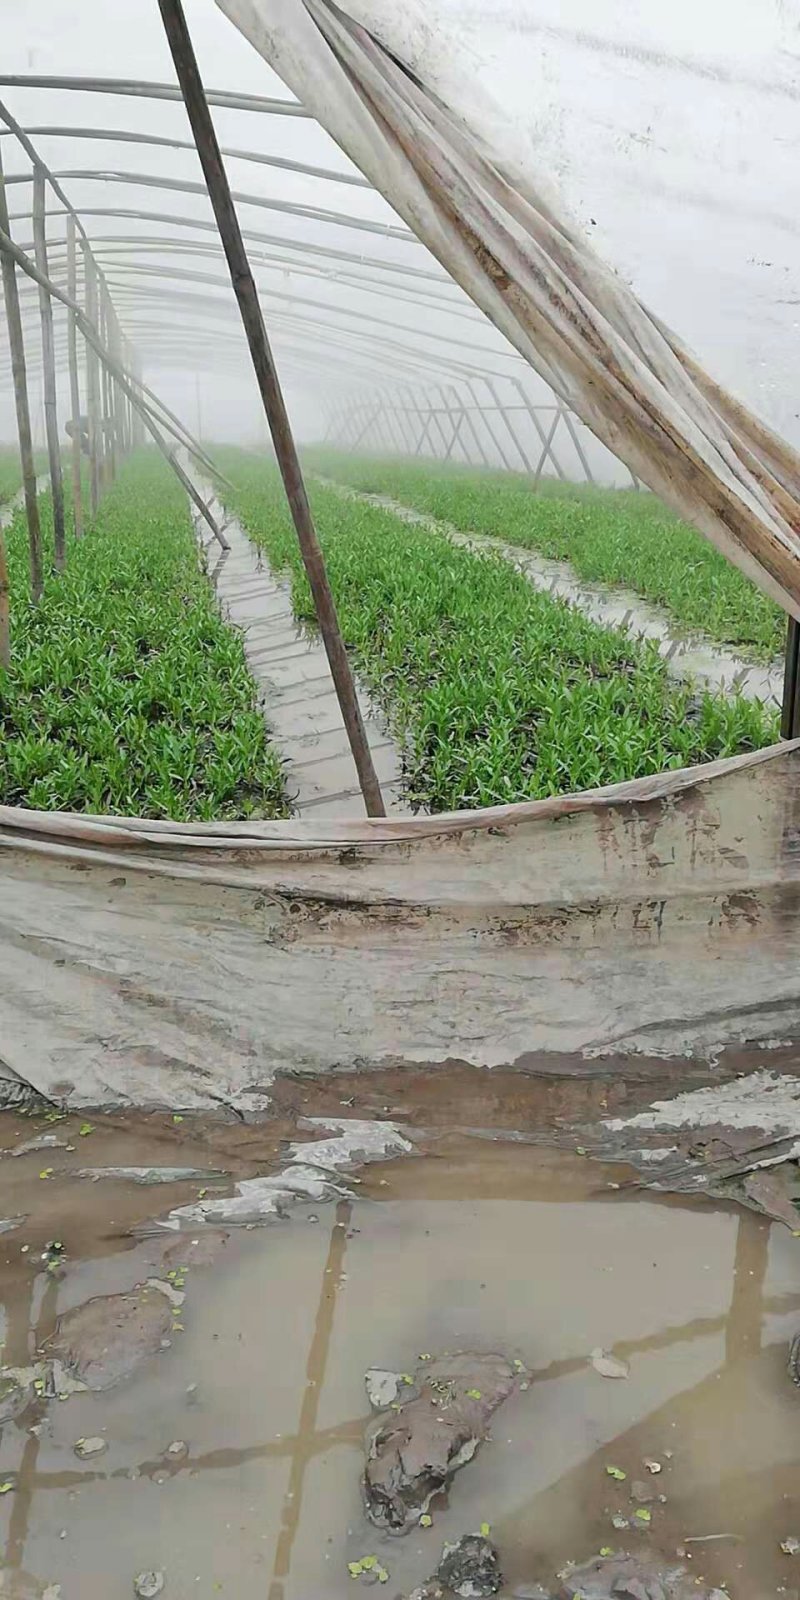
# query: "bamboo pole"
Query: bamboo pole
{"points": [[5, 606], [271, 394], [17, 347], [49, 373], [74, 382]]}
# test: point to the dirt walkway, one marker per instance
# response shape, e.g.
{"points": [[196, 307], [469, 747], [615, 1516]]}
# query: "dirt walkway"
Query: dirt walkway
{"points": [[293, 677]]}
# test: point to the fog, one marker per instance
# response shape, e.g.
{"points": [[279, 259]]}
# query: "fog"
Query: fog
{"points": [[671, 131]]}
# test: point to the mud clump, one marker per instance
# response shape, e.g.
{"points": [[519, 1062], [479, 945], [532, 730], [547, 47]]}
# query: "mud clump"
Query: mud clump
{"points": [[471, 1567], [106, 1339], [414, 1449]]}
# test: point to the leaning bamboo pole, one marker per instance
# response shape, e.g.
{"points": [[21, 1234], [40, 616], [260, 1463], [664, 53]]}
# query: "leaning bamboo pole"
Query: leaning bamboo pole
{"points": [[49, 373], [74, 383], [272, 396], [17, 348]]}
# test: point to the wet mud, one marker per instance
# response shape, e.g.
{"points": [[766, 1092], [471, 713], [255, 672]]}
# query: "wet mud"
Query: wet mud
{"points": [[221, 1436]]}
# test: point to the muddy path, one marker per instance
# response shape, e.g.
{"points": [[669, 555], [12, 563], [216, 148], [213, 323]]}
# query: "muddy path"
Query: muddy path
{"points": [[219, 1440]]}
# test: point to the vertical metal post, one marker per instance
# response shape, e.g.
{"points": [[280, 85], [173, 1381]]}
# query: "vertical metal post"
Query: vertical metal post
{"points": [[49, 370], [74, 384], [485, 412], [475, 434], [546, 451], [92, 381], [272, 396], [575, 437], [17, 346], [511, 426], [542, 436], [109, 449]]}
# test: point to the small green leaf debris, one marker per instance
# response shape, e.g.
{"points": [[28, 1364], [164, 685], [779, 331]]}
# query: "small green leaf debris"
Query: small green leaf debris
{"points": [[519, 1366], [426, 1520], [177, 1119], [201, 1194], [405, 1377], [368, 1562], [5, 1488], [424, 1357], [85, 1129], [606, 1550], [642, 1515], [473, 1394], [355, 1569], [579, 1150], [617, 1472], [47, 1172], [486, 1529]]}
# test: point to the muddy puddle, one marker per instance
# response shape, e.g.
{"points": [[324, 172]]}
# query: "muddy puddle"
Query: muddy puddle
{"points": [[229, 1458]]}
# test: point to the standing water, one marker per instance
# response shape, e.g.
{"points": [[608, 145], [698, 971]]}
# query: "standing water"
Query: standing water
{"points": [[229, 1459]]}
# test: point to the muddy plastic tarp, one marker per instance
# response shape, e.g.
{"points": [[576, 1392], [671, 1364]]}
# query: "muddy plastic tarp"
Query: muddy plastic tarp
{"points": [[395, 93], [187, 965]]}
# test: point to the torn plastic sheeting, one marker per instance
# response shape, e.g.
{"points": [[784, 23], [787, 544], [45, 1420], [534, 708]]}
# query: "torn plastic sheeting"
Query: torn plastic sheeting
{"points": [[310, 1176], [395, 92], [733, 1137]]}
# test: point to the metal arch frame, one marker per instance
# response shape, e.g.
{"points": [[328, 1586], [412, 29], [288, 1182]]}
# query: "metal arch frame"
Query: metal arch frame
{"points": [[466, 312], [164, 141], [144, 89], [150, 180]]}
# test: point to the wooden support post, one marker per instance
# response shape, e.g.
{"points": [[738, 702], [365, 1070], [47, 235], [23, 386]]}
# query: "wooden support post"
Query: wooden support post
{"points": [[271, 394], [49, 372], [16, 343], [92, 381], [74, 383], [790, 713]]}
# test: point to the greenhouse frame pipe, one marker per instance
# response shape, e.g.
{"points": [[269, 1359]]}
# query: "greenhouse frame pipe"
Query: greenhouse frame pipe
{"points": [[52, 178], [188, 275], [143, 89], [49, 374], [17, 349], [150, 180], [430, 360], [222, 201], [512, 429], [543, 439], [116, 245], [92, 383], [74, 382], [90, 333], [301, 245], [162, 141]]}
